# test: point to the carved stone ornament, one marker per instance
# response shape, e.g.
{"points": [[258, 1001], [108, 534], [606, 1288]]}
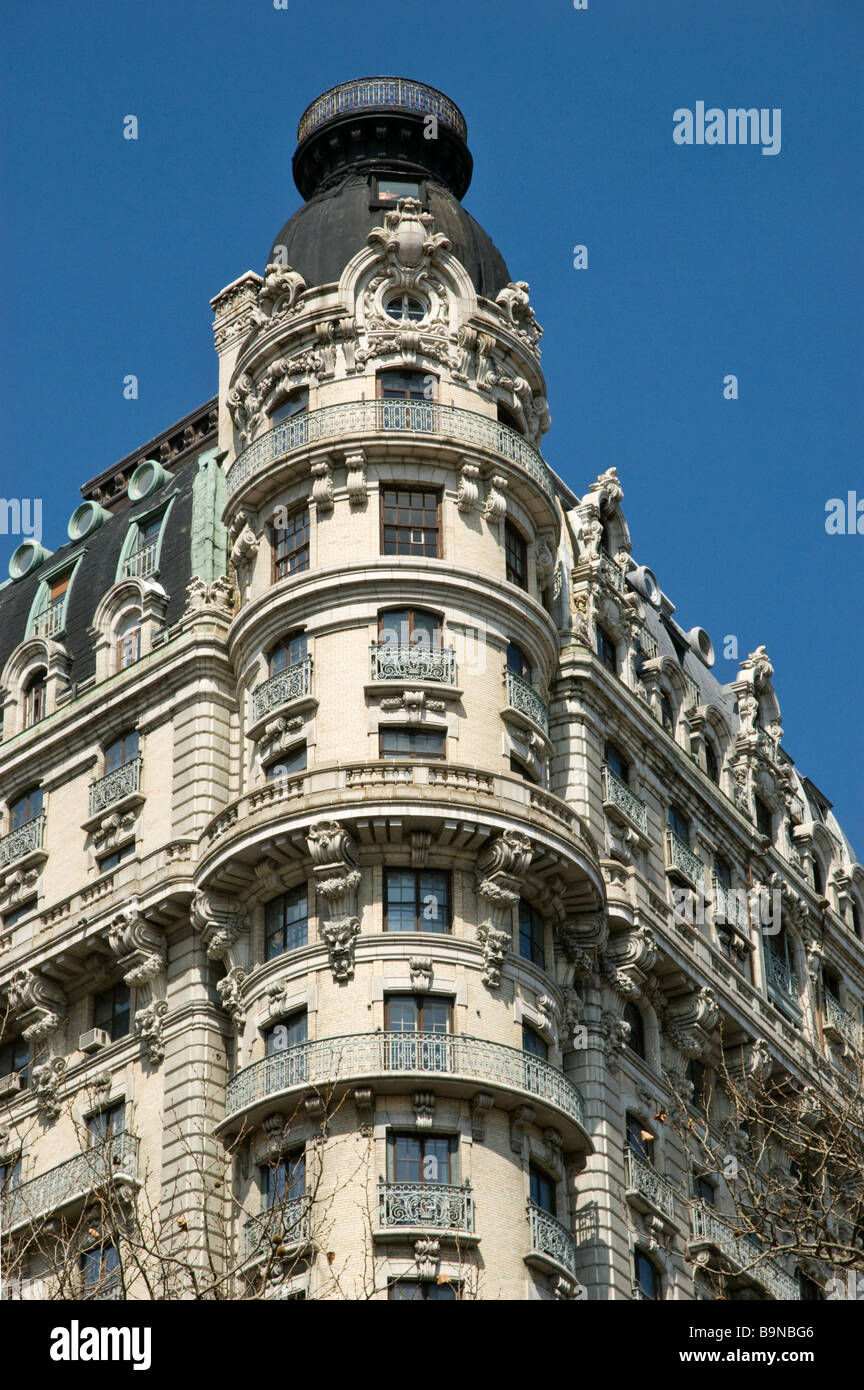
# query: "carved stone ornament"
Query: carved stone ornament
{"points": [[220, 921], [355, 478], [364, 1100], [219, 596], [579, 941], [245, 543], [627, 960], [689, 1021], [427, 1254], [337, 877], [421, 973], [322, 488], [481, 1104], [515, 304], [150, 1028], [424, 1109], [138, 945], [280, 291], [496, 502], [39, 1003], [495, 945], [468, 496], [45, 1082], [230, 989]]}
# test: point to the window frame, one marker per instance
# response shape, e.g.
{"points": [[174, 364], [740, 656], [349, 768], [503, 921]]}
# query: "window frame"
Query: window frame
{"points": [[606, 649], [421, 1138], [418, 874], [116, 1014], [422, 755], [419, 1000], [301, 892], [537, 925], [436, 530], [279, 533], [515, 542]]}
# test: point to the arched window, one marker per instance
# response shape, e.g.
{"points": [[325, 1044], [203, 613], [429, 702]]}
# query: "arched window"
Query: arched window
{"points": [[818, 877], [856, 920], [35, 697], [636, 1039], [128, 642]]}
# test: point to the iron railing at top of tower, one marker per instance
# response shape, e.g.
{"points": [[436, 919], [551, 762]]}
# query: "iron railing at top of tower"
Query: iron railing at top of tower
{"points": [[381, 93], [427, 418]]}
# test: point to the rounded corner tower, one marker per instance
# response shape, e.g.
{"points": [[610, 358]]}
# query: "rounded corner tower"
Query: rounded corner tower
{"points": [[360, 146]]}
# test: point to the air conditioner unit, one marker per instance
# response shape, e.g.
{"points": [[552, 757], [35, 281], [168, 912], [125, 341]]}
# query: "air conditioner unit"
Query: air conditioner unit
{"points": [[92, 1040], [10, 1084]]}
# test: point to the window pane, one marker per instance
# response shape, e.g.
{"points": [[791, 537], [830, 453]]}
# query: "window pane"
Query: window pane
{"points": [[542, 1191], [402, 1014], [436, 1016]]}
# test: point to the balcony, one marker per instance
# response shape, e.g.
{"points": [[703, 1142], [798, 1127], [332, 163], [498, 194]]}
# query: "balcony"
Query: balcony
{"points": [[781, 980], [552, 1245], [730, 906], [646, 1190], [26, 839], [115, 1161], [715, 1236], [294, 683], [395, 1060], [622, 803], [523, 698], [142, 562], [839, 1022], [50, 621], [415, 1207], [279, 1230], [613, 574], [115, 786], [682, 862], [336, 424], [415, 661], [380, 94]]}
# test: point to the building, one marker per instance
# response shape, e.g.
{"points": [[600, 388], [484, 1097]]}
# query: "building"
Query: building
{"points": [[380, 857]]}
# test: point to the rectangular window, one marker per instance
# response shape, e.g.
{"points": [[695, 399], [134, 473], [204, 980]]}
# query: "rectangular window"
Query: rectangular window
{"points": [[403, 386], [285, 1179], [11, 919], [417, 1013], [15, 1057], [410, 743], [296, 404], [647, 1278], [416, 900], [286, 922], [764, 819], [421, 1291], [25, 808], [678, 824], [291, 1032], [704, 1191], [108, 1123], [421, 1158], [616, 763], [292, 761], [516, 556], [10, 1175], [607, 650], [533, 1043], [122, 751], [418, 1029], [128, 644], [110, 861], [640, 1139], [111, 1011], [410, 522], [542, 1190], [403, 627], [291, 545], [517, 662], [531, 935], [100, 1271], [289, 652], [391, 190]]}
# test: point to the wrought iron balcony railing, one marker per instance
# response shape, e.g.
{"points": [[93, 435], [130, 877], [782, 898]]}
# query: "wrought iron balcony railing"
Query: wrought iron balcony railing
{"points": [[329, 1060], [549, 1237], [780, 978], [641, 1177], [293, 683], [743, 1255], [730, 905], [51, 619], [142, 562], [412, 661], [840, 1020], [680, 856], [285, 1224], [123, 781], [612, 573], [522, 696], [333, 423], [377, 94], [105, 1162], [432, 1205], [617, 793], [23, 840]]}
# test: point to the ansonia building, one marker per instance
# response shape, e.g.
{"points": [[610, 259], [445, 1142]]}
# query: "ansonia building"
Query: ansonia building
{"points": [[349, 764]]}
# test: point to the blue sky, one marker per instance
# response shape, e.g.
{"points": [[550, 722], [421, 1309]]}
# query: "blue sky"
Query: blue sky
{"points": [[703, 261]]}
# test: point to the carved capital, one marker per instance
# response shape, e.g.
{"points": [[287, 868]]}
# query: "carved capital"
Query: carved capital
{"points": [[138, 945]]}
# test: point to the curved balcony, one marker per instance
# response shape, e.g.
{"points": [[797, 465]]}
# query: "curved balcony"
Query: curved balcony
{"points": [[427, 420], [428, 792], [456, 1065], [114, 786], [294, 683], [381, 94], [409, 1208], [278, 1230], [524, 699], [714, 1236], [113, 1161]]}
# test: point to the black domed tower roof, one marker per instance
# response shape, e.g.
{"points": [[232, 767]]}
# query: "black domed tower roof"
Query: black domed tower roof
{"points": [[353, 142]]}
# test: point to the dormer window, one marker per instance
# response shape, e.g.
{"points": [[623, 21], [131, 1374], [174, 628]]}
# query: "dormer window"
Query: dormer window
{"points": [[35, 697], [667, 714], [712, 764], [51, 619], [140, 561], [128, 642]]}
